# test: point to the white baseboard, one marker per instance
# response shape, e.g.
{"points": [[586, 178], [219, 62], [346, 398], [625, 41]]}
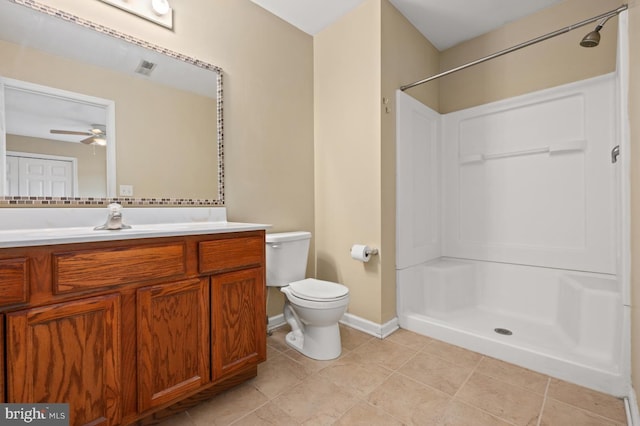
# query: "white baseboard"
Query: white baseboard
{"points": [[374, 329], [275, 322], [377, 330], [633, 414]]}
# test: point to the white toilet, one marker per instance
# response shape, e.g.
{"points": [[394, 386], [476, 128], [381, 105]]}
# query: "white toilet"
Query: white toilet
{"points": [[312, 307]]}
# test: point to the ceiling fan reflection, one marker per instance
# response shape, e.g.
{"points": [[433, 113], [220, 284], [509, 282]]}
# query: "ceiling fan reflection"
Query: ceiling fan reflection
{"points": [[97, 135]]}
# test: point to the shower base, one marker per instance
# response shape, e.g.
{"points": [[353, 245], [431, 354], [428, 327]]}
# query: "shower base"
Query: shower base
{"points": [[560, 321]]}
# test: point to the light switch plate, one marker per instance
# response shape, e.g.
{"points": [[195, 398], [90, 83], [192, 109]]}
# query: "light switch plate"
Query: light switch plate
{"points": [[145, 9], [126, 190]]}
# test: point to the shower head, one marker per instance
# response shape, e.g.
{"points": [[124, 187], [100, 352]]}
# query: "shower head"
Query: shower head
{"points": [[593, 38]]}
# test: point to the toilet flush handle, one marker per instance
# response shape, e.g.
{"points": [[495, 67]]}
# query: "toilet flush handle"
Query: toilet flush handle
{"points": [[275, 246]]}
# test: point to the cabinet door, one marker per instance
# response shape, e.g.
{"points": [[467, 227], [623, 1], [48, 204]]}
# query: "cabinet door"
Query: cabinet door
{"points": [[238, 320], [68, 353], [173, 341], [2, 358]]}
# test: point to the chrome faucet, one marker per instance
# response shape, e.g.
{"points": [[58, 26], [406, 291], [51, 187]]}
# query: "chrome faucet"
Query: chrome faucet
{"points": [[114, 220]]}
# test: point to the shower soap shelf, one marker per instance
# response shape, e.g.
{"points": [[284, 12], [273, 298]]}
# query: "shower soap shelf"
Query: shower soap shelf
{"points": [[575, 145]]}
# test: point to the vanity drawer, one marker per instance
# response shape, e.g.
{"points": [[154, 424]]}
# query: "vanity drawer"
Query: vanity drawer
{"points": [[14, 281], [89, 269], [230, 253]]}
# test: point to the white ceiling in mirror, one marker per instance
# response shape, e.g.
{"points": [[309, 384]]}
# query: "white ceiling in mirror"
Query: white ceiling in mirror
{"points": [[444, 23], [29, 113]]}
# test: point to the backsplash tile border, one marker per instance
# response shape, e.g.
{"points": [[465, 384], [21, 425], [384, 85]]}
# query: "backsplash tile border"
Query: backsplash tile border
{"points": [[9, 201], [102, 202]]}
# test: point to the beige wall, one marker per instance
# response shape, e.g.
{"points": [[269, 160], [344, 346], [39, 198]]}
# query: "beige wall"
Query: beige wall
{"points": [[359, 62], [551, 63], [634, 114], [347, 154], [406, 57]]}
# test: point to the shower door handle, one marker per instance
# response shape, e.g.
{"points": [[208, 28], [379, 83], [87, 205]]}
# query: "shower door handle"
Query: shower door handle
{"points": [[615, 152]]}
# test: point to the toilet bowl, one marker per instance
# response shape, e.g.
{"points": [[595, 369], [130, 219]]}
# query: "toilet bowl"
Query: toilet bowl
{"points": [[313, 317], [312, 307]]}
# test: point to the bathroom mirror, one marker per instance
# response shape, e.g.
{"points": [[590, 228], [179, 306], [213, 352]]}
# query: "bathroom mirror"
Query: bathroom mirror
{"points": [[162, 121]]}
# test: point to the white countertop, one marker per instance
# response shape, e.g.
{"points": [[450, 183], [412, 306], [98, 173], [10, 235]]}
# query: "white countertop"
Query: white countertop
{"points": [[49, 236], [34, 227]]}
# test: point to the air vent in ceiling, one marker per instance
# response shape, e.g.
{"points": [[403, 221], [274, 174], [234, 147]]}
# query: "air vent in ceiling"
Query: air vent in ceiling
{"points": [[145, 67]]}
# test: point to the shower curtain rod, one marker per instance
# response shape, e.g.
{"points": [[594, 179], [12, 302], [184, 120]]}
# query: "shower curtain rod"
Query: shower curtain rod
{"points": [[547, 36]]}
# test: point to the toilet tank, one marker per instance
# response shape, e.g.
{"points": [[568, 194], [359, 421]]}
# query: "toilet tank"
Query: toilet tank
{"points": [[286, 254]]}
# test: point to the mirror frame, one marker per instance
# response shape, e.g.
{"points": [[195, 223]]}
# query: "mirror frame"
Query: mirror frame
{"points": [[15, 201]]}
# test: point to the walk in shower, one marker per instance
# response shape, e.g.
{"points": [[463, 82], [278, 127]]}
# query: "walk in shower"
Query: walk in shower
{"points": [[512, 227]]}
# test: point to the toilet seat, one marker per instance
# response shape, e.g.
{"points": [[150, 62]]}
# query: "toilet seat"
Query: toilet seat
{"points": [[315, 290]]}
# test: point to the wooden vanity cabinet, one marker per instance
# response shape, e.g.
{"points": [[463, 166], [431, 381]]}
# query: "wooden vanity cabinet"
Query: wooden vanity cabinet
{"points": [[173, 349], [238, 311], [2, 383], [238, 337], [14, 282], [68, 352], [128, 332]]}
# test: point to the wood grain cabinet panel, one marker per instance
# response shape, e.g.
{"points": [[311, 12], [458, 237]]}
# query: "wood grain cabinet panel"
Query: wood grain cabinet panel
{"points": [[173, 341], [88, 269], [230, 253], [238, 320], [2, 385], [14, 281], [68, 353]]}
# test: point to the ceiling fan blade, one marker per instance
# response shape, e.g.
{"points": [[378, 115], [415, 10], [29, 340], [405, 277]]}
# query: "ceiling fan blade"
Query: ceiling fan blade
{"points": [[69, 132], [88, 140]]}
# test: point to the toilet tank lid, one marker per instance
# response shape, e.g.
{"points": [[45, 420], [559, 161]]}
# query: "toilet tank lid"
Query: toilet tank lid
{"points": [[287, 236]]}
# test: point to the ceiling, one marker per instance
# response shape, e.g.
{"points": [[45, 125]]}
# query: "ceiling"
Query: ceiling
{"points": [[444, 23]]}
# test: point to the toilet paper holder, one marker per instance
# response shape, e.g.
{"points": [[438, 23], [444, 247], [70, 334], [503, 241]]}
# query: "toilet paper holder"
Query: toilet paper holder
{"points": [[362, 252], [369, 251]]}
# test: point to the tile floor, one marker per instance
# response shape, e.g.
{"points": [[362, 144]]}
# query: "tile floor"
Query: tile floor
{"points": [[405, 379]]}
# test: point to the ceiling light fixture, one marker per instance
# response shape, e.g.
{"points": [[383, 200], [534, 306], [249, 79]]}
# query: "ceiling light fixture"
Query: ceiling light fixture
{"points": [[160, 7], [158, 11]]}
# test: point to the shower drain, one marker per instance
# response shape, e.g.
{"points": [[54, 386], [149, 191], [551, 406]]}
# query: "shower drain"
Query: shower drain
{"points": [[503, 331]]}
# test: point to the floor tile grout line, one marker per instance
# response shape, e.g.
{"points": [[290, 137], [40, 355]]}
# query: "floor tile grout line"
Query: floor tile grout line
{"points": [[473, 370], [419, 383], [484, 411], [250, 412], [544, 401], [405, 363], [513, 384], [584, 410], [358, 400], [193, 422], [459, 364], [455, 396], [384, 411]]}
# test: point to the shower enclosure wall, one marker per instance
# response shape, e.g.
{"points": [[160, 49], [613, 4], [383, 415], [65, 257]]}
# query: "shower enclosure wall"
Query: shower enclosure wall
{"points": [[508, 230]]}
